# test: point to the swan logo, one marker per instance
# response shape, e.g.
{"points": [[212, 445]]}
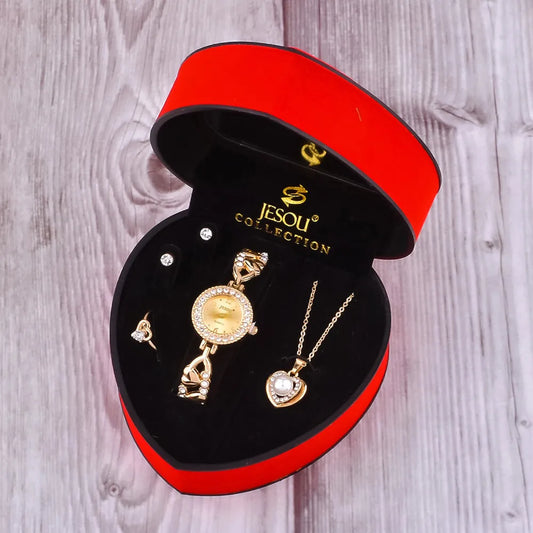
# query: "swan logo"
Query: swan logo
{"points": [[312, 154], [294, 195]]}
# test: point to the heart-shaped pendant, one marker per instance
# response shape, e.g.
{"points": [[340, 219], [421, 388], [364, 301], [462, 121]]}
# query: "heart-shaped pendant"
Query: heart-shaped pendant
{"points": [[283, 390]]}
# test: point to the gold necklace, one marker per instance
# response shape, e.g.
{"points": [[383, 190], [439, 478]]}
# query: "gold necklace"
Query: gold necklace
{"points": [[287, 388]]}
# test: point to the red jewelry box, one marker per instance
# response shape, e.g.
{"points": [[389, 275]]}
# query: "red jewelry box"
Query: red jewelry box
{"points": [[289, 156]]}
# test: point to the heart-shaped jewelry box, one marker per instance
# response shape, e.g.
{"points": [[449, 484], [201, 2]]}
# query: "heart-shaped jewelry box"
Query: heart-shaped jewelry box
{"points": [[286, 156]]}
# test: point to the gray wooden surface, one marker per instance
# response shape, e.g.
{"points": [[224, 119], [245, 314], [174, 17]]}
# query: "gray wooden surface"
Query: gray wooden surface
{"points": [[447, 445]]}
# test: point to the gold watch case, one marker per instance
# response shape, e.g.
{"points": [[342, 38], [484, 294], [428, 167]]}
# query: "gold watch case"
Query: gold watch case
{"points": [[223, 315]]}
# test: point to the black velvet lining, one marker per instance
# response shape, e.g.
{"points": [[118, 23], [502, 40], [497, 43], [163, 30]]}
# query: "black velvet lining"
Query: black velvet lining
{"points": [[234, 141], [235, 180], [238, 423]]}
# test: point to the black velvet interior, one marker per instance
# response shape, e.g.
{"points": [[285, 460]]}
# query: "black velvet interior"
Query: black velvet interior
{"points": [[189, 140], [238, 425]]}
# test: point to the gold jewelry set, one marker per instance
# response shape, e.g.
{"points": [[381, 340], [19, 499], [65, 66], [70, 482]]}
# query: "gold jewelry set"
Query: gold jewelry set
{"points": [[223, 315]]}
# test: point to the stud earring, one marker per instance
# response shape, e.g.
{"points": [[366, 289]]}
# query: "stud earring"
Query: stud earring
{"points": [[166, 259], [143, 331]]}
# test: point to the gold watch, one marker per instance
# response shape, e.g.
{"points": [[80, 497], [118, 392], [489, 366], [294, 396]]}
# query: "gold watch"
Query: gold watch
{"points": [[221, 315]]}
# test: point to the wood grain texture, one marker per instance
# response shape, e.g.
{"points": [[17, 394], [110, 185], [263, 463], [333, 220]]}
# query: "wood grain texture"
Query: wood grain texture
{"points": [[82, 84], [447, 445]]}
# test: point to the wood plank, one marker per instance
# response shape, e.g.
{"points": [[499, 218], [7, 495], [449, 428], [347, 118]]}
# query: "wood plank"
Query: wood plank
{"points": [[447, 445], [82, 84]]}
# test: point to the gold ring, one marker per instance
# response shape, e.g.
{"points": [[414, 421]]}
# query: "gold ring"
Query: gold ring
{"points": [[143, 331]]}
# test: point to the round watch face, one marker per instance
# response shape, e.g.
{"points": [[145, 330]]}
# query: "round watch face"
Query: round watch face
{"points": [[222, 315]]}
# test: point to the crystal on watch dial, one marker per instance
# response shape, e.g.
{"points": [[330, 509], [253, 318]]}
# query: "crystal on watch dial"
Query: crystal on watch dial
{"points": [[222, 315]]}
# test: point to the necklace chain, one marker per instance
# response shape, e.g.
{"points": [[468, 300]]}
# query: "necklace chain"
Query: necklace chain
{"points": [[336, 317]]}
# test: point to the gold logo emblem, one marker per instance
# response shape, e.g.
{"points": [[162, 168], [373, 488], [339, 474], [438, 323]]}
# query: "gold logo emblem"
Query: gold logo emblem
{"points": [[312, 155], [295, 194]]}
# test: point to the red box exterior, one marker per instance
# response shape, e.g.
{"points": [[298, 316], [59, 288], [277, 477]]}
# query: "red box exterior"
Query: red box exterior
{"points": [[219, 482], [305, 94]]}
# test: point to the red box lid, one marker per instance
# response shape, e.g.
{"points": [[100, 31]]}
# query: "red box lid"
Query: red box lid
{"points": [[305, 96]]}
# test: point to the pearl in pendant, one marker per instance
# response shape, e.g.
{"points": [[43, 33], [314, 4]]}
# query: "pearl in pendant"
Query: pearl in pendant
{"points": [[283, 385]]}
